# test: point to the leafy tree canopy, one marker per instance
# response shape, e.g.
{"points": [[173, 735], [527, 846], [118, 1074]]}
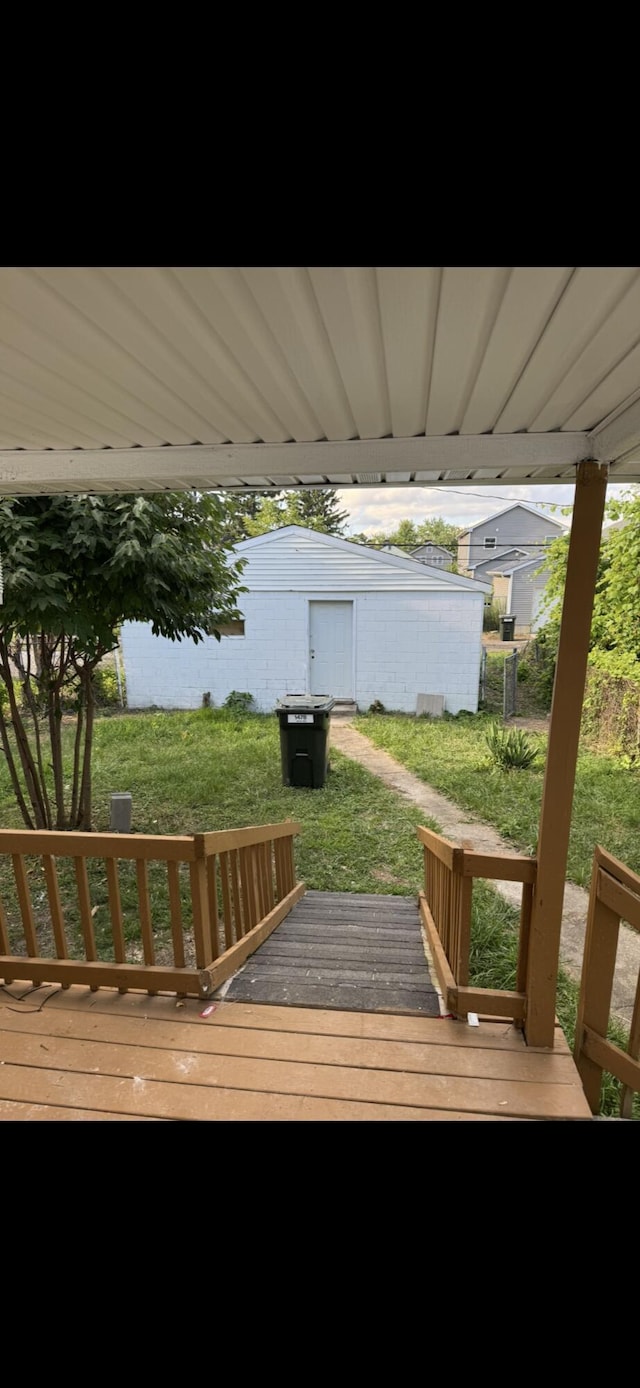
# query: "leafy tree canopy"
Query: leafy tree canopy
{"points": [[75, 568]]}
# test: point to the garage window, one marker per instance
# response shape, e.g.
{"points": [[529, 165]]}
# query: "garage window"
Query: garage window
{"points": [[232, 629]]}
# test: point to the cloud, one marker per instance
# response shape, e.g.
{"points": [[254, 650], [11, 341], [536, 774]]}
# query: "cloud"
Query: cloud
{"points": [[382, 508]]}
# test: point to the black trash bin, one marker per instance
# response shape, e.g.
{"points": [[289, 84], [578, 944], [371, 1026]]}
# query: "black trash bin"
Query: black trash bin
{"points": [[304, 738], [507, 627]]}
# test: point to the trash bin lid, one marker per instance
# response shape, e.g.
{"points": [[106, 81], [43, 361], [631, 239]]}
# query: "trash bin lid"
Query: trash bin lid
{"points": [[306, 703]]}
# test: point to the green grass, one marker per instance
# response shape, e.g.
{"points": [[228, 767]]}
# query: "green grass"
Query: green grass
{"points": [[451, 755], [211, 769]]}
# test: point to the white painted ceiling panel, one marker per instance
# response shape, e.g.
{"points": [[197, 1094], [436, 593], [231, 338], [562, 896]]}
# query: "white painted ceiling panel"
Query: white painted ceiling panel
{"points": [[47, 311], [348, 301], [288, 303], [469, 302], [408, 312], [225, 299], [588, 300], [281, 376], [578, 389], [529, 299], [48, 350]]}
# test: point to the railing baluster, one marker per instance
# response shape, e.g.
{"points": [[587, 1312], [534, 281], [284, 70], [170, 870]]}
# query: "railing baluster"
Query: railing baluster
{"points": [[26, 909], [115, 912], [236, 894], [223, 860], [600, 946], [55, 907], [5, 945], [212, 888], [626, 1096], [200, 906], [144, 907], [175, 909], [86, 918]]}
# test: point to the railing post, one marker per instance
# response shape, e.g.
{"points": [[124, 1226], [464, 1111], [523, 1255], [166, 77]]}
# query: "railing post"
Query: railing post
{"points": [[562, 751]]}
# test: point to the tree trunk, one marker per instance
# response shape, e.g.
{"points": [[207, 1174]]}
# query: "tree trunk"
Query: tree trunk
{"points": [[84, 806]]}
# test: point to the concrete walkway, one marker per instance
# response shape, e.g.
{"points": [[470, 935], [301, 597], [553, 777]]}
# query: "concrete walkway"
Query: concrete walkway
{"points": [[458, 824]]}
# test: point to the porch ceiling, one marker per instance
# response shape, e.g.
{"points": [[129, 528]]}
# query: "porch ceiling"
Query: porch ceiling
{"points": [[142, 378]]}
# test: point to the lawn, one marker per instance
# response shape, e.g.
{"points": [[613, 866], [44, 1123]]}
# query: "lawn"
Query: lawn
{"points": [[451, 755]]}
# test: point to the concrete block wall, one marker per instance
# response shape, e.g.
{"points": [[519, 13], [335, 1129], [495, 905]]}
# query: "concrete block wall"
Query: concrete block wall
{"points": [[406, 644]]}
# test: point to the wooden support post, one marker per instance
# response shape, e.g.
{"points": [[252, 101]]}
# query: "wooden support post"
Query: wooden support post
{"points": [[562, 751]]}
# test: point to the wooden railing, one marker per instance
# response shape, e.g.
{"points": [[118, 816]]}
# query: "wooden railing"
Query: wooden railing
{"points": [[445, 907], [241, 884], [614, 896]]}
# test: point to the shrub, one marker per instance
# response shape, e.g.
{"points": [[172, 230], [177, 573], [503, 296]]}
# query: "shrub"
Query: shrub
{"points": [[511, 749], [105, 687], [493, 611], [376, 707], [239, 702]]}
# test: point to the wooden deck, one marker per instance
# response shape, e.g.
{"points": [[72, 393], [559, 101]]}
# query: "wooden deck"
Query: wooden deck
{"points": [[76, 1055]]}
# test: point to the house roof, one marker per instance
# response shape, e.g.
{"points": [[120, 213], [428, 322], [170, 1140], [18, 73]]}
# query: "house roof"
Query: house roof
{"points": [[526, 564], [412, 567], [523, 506], [492, 558], [139, 378]]}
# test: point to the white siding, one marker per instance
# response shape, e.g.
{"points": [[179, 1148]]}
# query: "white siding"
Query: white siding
{"points": [[302, 560], [523, 584], [404, 645]]}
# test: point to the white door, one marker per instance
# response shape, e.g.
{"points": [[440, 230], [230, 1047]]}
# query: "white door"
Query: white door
{"points": [[331, 649]]}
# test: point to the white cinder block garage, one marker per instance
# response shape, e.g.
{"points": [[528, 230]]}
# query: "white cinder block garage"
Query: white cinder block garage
{"points": [[324, 616]]}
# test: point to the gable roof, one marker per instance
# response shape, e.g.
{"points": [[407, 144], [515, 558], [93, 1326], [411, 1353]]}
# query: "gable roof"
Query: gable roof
{"points": [[493, 558], [515, 505], [412, 567], [526, 564]]}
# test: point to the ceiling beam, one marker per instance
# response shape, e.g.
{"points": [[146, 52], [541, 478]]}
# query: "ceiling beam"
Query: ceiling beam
{"points": [[211, 465], [618, 436]]}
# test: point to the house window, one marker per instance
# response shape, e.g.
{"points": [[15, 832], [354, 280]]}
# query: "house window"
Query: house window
{"points": [[232, 629], [490, 542]]}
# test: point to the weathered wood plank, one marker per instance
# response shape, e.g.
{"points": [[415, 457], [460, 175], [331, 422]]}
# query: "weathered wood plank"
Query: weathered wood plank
{"points": [[122, 1097], [141, 1065], [369, 1053], [437, 1031]]}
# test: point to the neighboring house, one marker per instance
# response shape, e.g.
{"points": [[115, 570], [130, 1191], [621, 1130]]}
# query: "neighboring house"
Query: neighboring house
{"points": [[521, 588], [515, 527], [323, 616], [507, 550], [435, 555]]}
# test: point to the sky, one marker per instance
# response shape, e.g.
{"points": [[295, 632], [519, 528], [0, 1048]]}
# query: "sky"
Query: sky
{"points": [[381, 508]]}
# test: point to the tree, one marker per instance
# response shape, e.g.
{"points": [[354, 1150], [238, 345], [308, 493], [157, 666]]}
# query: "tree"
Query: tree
{"points": [[410, 535], [319, 509], [75, 568], [315, 508], [615, 627]]}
